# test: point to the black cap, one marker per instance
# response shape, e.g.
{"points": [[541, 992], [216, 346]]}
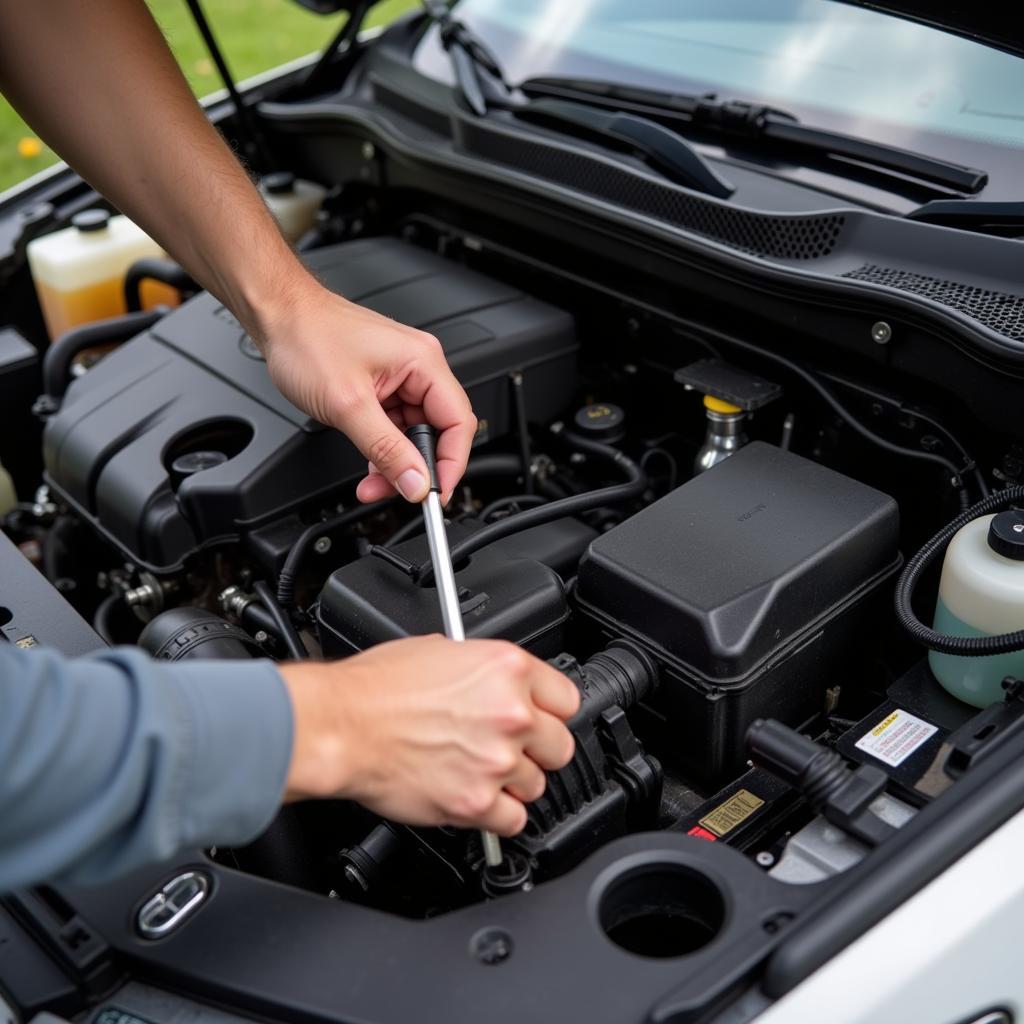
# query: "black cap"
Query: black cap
{"points": [[91, 220], [602, 421], [194, 462], [1006, 535], [279, 183], [425, 438]]}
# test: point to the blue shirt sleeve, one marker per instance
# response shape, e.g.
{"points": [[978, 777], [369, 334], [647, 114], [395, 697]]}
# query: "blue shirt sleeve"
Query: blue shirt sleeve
{"points": [[111, 761]]}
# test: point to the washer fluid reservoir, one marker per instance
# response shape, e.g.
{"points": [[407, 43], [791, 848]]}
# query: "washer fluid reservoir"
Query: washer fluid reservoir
{"points": [[981, 593]]}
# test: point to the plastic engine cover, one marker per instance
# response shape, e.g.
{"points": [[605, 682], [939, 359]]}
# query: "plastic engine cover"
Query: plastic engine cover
{"points": [[179, 439]]}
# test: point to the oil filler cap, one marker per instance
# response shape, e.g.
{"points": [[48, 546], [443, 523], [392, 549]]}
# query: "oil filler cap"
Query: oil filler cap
{"points": [[1006, 535]]}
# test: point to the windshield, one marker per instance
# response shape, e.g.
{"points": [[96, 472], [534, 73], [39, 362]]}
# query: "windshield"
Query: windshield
{"points": [[833, 64]]}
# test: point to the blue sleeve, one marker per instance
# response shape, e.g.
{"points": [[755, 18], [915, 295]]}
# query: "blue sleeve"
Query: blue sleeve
{"points": [[112, 761]]}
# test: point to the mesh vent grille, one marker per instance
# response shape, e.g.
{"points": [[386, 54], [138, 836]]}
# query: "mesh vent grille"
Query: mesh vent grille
{"points": [[781, 237], [998, 311]]}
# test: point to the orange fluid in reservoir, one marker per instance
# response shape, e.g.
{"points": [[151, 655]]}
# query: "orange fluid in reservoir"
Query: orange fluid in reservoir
{"points": [[63, 310]]}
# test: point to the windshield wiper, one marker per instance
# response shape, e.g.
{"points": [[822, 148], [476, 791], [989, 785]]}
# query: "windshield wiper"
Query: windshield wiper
{"points": [[657, 145], [758, 123], [477, 71], [482, 85]]}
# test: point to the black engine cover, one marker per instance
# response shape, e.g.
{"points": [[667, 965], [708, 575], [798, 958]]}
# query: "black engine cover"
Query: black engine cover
{"points": [[178, 439]]}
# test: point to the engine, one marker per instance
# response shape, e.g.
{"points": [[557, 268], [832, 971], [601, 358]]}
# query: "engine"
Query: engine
{"points": [[686, 604]]}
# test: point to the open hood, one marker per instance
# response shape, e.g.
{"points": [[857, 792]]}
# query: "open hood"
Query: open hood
{"points": [[992, 24]]}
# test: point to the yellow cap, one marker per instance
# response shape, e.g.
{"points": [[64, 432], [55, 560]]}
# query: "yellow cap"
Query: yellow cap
{"points": [[717, 405]]}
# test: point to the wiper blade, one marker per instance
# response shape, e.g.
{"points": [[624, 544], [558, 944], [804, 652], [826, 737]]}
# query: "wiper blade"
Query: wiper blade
{"points": [[659, 146], [478, 72], [760, 123]]}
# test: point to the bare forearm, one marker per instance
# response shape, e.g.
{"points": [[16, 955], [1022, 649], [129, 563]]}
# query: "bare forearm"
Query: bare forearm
{"points": [[111, 100]]}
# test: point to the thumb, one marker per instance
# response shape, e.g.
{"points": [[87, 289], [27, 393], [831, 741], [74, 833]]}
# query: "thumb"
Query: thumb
{"points": [[393, 455]]}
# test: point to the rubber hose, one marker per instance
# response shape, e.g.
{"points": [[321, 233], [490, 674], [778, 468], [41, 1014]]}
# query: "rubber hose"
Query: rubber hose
{"points": [[635, 485], [284, 628], [152, 268], [58, 358], [523, 500], [967, 646]]}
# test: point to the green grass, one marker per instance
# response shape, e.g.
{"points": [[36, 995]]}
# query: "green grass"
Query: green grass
{"points": [[254, 34]]}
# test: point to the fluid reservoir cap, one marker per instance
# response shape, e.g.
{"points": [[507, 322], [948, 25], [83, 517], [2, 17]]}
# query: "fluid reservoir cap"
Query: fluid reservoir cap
{"points": [[91, 220], [193, 462], [602, 421], [279, 183], [1006, 535]]}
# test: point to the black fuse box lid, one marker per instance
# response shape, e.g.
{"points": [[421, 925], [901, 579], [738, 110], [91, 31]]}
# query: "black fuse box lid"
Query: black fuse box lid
{"points": [[731, 567]]}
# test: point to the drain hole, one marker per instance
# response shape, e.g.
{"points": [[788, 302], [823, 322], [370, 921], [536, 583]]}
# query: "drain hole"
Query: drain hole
{"points": [[662, 911]]}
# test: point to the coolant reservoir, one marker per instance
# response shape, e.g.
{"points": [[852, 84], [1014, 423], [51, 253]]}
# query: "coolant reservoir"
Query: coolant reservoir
{"points": [[293, 202], [981, 593], [79, 271]]}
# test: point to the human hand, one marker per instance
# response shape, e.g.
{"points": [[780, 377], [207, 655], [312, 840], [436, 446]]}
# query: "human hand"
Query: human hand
{"points": [[427, 731], [369, 377]]}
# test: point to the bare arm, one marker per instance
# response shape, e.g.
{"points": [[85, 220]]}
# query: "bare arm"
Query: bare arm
{"points": [[97, 81]]}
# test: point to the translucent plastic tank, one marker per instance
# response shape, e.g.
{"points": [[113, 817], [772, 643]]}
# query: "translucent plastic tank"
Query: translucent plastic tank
{"points": [[293, 202], [79, 271], [981, 593]]}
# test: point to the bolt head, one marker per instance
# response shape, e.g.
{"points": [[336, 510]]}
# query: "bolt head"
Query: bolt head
{"points": [[764, 859], [260, 636], [322, 545], [881, 333], [368, 150]]}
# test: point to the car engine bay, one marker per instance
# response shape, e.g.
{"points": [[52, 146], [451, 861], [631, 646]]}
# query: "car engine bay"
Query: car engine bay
{"points": [[693, 493]]}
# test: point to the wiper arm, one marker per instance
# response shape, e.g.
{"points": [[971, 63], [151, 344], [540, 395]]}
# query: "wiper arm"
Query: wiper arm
{"points": [[759, 123], [659, 146], [478, 73]]}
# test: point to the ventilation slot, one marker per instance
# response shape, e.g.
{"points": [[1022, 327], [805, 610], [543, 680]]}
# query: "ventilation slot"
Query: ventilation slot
{"points": [[778, 237], [1000, 312]]}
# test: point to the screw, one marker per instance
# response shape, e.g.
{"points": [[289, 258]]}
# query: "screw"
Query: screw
{"points": [[881, 333], [764, 859], [322, 545], [260, 636], [491, 946], [369, 151]]}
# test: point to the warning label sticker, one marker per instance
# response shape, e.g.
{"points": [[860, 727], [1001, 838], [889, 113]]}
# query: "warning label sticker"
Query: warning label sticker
{"points": [[896, 737], [726, 816]]}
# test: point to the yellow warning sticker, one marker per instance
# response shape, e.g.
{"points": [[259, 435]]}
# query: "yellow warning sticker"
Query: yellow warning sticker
{"points": [[726, 816], [896, 737]]}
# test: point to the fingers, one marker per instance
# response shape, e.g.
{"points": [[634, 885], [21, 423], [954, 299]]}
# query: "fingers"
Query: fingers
{"points": [[527, 782], [506, 816], [433, 388], [554, 692], [393, 455], [550, 744], [453, 447]]}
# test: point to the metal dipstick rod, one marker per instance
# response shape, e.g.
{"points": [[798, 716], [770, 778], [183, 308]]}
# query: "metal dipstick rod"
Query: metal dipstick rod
{"points": [[425, 439]]}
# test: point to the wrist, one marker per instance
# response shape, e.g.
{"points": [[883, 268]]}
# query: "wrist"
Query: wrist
{"points": [[323, 748], [268, 309]]}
